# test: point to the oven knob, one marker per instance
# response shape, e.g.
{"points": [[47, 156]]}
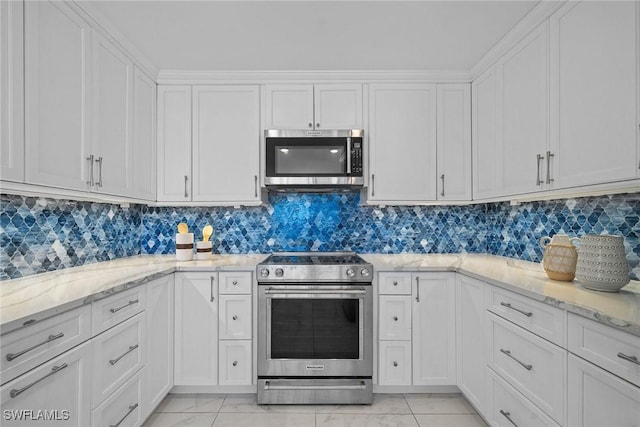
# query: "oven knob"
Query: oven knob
{"points": [[364, 272], [279, 272], [350, 272], [264, 272]]}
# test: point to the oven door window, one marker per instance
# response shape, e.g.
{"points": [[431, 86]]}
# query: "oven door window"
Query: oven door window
{"points": [[316, 157], [315, 328]]}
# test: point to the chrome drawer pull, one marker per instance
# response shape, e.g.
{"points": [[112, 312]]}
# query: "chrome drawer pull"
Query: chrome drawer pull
{"points": [[131, 348], [12, 356], [212, 279], [131, 409], [115, 310], [417, 289], [507, 415], [16, 392], [632, 359], [508, 353], [526, 313]]}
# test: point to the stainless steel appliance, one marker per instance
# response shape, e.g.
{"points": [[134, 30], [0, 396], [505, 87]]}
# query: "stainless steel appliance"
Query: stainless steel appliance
{"points": [[314, 158], [315, 328]]}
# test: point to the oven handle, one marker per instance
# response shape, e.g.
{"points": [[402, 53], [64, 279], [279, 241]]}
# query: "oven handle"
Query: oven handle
{"points": [[271, 291], [268, 386]]}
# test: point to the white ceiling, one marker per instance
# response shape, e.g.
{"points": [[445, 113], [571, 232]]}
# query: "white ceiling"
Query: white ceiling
{"points": [[313, 35]]}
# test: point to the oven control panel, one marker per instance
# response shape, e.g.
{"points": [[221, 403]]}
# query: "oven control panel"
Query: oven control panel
{"points": [[315, 273]]}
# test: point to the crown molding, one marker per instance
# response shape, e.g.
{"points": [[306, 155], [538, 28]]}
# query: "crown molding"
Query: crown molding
{"points": [[169, 77]]}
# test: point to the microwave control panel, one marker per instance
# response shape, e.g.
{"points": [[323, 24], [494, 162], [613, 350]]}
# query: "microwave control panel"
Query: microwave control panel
{"points": [[356, 159]]}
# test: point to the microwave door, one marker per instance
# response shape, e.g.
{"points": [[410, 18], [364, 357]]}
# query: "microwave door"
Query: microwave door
{"points": [[315, 158]]}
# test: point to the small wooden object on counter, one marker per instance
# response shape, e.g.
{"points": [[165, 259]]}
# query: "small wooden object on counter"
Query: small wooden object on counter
{"points": [[560, 257]]}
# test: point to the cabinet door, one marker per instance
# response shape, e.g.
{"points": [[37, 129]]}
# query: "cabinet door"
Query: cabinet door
{"points": [[226, 143], [57, 76], [454, 142], [235, 362], [11, 91], [159, 340], [594, 77], [395, 317], [235, 317], [434, 319], [289, 106], [525, 93], [144, 137], [112, 101], [174, 143], [470, 341], [338, 106], [196, 329], [598, 398], [61, 387], [403, 142], [394, 363]]}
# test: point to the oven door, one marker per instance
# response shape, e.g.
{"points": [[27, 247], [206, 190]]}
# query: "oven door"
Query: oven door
{"points": [[315, 331]]}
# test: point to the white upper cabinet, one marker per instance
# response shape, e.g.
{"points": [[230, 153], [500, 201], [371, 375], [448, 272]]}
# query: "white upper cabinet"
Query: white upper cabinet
{"points": [[402, 138], [594, 93], [174, 143], [57, 76], [226, 137], [454, 141], [11, 94], [323, 106], [144, 137]]}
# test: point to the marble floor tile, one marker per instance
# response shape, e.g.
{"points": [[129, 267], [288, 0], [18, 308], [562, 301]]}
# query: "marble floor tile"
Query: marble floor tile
{"points": [[191, 403], [450, 420], [184, 419], [382, 404], [365, 420], [438, 403], [239, 403], [264, 420]]}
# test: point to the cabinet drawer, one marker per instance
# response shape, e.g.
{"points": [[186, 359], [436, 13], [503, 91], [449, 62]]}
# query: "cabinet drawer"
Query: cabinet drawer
{"points": [[61, 387], [394, 283], [613, 350], [539, 318], [533, 366], [394, 363], [117, 354], [235, 362], [235, 282], [28, 347], [110, 311], [507, 407], [395, 317], [235, 317], [123, 407]]}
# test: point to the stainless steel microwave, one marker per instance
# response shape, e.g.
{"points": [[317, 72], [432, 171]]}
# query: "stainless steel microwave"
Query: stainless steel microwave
{"points": [[314, 158]]}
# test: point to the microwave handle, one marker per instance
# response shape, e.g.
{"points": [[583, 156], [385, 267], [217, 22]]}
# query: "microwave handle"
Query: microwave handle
{"points": [[348, 155]]}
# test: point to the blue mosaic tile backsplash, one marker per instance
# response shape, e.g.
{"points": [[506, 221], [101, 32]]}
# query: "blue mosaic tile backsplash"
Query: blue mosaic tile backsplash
{"points": [[40, 234]]}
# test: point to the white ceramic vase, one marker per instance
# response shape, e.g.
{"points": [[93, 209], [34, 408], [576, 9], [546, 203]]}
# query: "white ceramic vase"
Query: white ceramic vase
{"points": [[602, 263]]}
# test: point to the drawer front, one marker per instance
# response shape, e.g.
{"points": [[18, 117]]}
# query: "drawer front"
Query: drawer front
{"points": [[26, 348], [235, 317], [394, 363], [394, 283], [533, 366], [110, 311], [508, 407], [117, 354], [123, 407], [613, 350], [235, 362], [61, 387], [395, 317], [238, 282], [541, 319]]}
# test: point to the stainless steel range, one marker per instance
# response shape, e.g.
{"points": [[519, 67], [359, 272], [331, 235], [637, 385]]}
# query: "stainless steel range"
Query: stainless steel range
{"points": [[315, 328]]}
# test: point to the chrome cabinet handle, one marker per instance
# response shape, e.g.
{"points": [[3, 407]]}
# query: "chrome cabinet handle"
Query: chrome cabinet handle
{"points": [[186, 193], [235, 283], [349, 155], [116, 360], [255, 185], [442, 178], [395, 318], [395, 283], [632, 359], [235, 317], [212, 279], [91, 183], [395, 363], [12, 356], [235, 363], [16, 392], [507, 415], [373, 185], [317, 125], [418, 289], [549, 156], [99, 162], [526, 313], [115, 310], [131, 409], [539, 159], [508, 353], [310, 125]]}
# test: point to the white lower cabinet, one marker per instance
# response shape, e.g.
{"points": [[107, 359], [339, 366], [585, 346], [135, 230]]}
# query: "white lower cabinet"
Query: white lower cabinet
{"points": [[235, 362], [58, 390], [394, 363], [124, 408], [235, 317]]}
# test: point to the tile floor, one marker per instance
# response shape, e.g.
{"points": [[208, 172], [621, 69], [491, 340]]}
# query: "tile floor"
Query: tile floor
{"points": [[240, 410]]}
